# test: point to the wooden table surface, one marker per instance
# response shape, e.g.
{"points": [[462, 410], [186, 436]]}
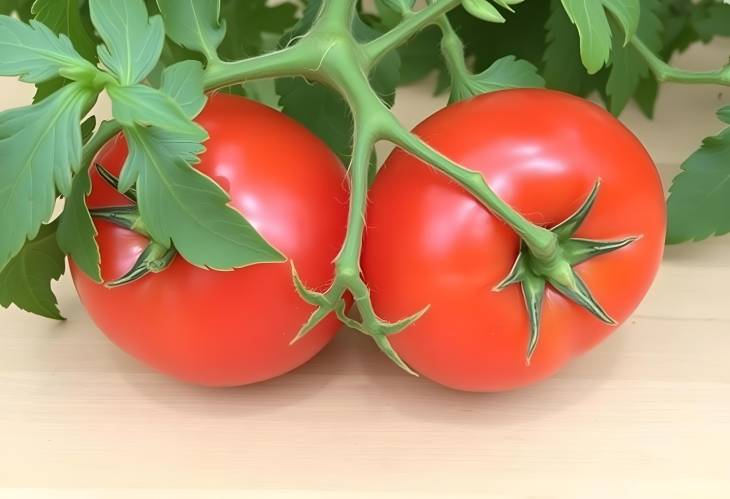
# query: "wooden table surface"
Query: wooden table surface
{"points": [[646, 414]]}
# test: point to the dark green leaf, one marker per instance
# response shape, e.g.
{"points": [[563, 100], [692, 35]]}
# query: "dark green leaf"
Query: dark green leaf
{"points": [[421, 55], [195, 24], [562, 69], [628, 67], [64, 16], [40, 147], [132, 40], [26, 279], [253, 19], [321, 110], [715, 21], [699, 201], [20, 7]]}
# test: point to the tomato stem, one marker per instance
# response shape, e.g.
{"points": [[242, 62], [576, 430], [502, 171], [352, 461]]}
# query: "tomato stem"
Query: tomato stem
{"points": [[410, 25], [665, 72]]}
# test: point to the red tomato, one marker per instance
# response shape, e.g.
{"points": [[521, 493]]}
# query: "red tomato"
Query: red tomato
{"points": [[431, 242], [229, 328]]}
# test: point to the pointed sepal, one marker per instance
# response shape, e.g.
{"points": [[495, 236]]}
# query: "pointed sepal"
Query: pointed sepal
{"points": [[516, 273], [113, 181], [579, 293], [154, 259], [580, 250], [570, 225], [533, 292], [127, 217]]}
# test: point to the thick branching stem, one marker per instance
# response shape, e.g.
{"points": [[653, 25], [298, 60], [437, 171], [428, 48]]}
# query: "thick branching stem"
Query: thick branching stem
{"points": [[667, 73]]}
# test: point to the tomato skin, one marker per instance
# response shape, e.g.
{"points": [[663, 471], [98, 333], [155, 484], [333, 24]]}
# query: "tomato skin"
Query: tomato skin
{"points": [[431, 242], [229, 328]]}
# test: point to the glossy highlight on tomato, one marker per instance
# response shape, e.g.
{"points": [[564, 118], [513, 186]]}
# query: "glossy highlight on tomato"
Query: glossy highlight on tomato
{"points": [[229, 328], [431, 242]]}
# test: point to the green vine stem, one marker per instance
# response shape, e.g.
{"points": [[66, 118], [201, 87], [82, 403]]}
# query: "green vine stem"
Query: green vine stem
{"points": [[667, 73]]}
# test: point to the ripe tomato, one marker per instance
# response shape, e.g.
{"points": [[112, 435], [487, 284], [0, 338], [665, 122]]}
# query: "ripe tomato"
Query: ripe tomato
{"points": [[229, 328], [431, 242]]}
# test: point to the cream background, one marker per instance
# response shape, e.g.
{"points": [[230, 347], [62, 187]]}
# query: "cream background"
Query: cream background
{"points": [[647, 414]]}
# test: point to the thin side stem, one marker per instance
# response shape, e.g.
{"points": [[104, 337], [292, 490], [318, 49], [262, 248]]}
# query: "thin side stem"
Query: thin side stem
{"points": [[543, 244], [410, 25], [336, 16], [348, 261], [666, 72], [291, 61]]}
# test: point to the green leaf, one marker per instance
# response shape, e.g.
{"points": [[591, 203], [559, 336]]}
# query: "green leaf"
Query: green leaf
{"points": [[590, 18], [563, 70], [184, 83], [321, 110], [254, 21], [714, 22], [132, 40], [76, 232], [26, 279], [699, 200], [34, 53], [181, 206], [19, 7], [420, 56], [483, 10], [64, 16], [507, 72], [40, 147], [194, 24], [628, 67], [146, 106]]}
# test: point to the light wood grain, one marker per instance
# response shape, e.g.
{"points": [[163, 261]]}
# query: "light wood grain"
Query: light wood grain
{"points": [[646, 414]]}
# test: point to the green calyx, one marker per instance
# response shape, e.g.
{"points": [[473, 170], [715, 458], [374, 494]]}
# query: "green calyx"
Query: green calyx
{"points": [[534, 272], [155, 257]]}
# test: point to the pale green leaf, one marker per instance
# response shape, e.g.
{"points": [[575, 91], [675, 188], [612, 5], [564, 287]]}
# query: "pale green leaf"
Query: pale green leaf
{"points": [[184, 83], [132, 40], [181, 206], [483, 10], [146, 106], [40, 148], [590, 18], [26, 279], [194, 24], [34, 53]]}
